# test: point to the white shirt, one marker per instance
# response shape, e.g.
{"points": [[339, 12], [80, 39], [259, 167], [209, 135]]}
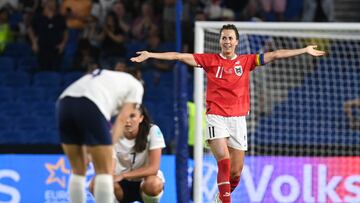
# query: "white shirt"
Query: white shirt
{"points": [[109, 90], [127, 159]]}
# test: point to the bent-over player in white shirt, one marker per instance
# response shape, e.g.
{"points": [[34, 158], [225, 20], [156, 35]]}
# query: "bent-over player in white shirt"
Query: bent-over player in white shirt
{"points": [[83, 113]]}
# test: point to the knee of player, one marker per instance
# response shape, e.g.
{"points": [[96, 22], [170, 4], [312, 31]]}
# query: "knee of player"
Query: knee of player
{"points": [[235, 174], [152, 185], [236, 170]]}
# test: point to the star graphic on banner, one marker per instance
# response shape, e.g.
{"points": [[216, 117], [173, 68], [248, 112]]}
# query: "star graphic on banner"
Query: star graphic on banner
{"points": [[53, 169]]}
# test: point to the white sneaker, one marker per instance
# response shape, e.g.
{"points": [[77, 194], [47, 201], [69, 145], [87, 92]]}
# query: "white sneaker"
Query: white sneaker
{"points": [[217, 198]]}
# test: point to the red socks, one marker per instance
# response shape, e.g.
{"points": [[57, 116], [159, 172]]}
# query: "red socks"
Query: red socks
{"points": [[234, 182], [223, 180]]}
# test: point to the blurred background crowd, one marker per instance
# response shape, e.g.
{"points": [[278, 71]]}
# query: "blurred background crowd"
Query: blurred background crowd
{"points": [[68, 34], [47, 44]]}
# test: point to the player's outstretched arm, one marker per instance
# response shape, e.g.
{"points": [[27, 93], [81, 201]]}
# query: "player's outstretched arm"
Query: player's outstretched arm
{"points": [[286, 53], [183, 57]]}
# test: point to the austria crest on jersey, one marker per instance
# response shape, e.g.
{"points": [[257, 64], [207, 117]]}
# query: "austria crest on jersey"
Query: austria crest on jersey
{"points": [[238, 70]]}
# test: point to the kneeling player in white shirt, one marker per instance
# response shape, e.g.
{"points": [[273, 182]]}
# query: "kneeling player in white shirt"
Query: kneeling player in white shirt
{"points": [[137, 157]]}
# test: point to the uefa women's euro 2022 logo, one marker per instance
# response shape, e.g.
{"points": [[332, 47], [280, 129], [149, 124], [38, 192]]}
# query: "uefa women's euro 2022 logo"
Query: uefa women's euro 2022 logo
{"points": [[57, 181]]}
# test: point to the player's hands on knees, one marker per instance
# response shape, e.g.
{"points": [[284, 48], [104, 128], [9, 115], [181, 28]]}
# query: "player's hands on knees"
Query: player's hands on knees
{"points": [[118, 178], [311, 49], [143, 55]]}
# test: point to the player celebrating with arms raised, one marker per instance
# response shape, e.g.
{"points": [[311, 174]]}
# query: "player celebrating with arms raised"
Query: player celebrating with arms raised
{"points": [[227, 99]]}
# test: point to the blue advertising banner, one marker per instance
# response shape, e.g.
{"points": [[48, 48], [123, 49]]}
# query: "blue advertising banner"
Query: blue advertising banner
{"points": [[44, 178], [270, 179]]}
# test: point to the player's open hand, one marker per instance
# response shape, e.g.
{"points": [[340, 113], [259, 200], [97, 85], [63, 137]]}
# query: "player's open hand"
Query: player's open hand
{"points": [[118, 178], [312, 51], [143, 55]]}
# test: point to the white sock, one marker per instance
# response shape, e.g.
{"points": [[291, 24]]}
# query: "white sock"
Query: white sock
{"points": [[104, 189], [77, 189], [115, 200], [151, 199]]}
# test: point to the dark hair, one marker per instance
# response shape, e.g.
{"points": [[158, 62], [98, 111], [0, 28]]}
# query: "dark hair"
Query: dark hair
{"points": [[230, 27], [144, 129], [112, 15], [135, 72]]}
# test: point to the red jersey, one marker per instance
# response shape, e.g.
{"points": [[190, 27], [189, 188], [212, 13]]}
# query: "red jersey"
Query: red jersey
{"points": [[228, 82]]}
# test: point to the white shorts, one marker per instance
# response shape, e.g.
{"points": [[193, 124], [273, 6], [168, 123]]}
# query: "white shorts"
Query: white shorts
{"points": [[233, 128]]}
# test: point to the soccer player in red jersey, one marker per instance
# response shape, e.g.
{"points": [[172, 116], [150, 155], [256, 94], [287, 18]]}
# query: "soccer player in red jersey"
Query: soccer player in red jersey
{"points": [[227, 99]]}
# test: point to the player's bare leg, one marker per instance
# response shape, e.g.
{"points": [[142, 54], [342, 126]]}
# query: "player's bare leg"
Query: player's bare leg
{"points": [[219, 148], [91, 186], [118, 191], [152, 189], [221, 152], [102, 158], [237, 163], [77, 157], [103, 163]]}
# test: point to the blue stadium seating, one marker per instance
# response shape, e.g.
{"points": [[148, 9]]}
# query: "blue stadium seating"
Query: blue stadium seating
{"points": [[5, 124], [13, 109], [45, 137], [70, 77], [52, 93], [30, 94], [150, 106], [7, 94], [166, 125], [27, 63], [12, 137], [29, 137], [16, 79], [29, 123], [47, 79], [166, 79], [49, 122], [43, 109], [18, 50], [7, 64]]}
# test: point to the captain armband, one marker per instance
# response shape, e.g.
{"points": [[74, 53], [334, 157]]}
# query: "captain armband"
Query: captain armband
{"points": [[260, 60]]}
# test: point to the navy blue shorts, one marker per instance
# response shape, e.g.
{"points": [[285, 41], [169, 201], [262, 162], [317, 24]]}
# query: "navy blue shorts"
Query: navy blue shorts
{"points": [[81, 122], [131, 191]]}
